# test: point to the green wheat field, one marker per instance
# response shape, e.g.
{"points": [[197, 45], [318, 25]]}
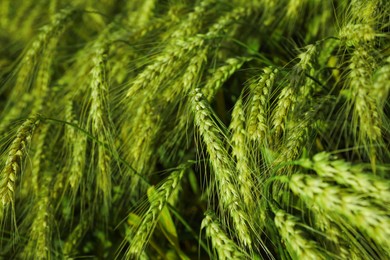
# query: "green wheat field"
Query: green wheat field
{"points": [[195, 129]]}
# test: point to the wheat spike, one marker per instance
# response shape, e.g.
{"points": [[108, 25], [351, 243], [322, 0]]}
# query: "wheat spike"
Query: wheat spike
{"points": [[296, 241], [225, 247], [353, 176], [157, 202], [16, 153], [336, 202], [39, 243], [241, 154], [257, 120], [231, 200]]}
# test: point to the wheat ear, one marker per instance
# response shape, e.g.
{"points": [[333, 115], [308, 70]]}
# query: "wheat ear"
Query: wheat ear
{"points": [[149, 220], [225, 247], [260, 90], [16, 153], [39, 244], [240, 153], [172, 56], [231, 200], [298, 245], [350, 175], [98, 119], [219, 76], [337, 201], [48, 36]]}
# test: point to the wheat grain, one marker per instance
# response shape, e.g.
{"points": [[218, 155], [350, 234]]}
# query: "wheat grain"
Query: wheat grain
{"points": [[226, 22], [42, 81], [190, 78], [364, 11], [289, 94], [332, 233], [59, 23], [306, 57], [296, 136], [177, 48], [214, 82], [76, 147], [191, 25]]}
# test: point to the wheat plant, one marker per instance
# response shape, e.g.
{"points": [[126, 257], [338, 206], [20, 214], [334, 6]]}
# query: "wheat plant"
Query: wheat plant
{"points": [[207, 129]]}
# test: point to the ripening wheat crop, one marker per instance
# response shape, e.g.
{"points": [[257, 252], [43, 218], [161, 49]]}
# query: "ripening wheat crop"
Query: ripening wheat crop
{"points": [[195, 129]]}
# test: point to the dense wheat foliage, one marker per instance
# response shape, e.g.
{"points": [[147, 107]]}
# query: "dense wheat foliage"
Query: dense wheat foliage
{"points": [[183, 129]]}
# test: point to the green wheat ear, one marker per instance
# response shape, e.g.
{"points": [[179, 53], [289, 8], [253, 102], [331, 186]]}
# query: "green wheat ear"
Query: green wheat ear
{"points": [[207, 129]]}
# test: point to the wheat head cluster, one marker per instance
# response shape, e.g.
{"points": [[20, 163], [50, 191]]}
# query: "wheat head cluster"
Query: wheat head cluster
{"points": [[183, 129]]}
